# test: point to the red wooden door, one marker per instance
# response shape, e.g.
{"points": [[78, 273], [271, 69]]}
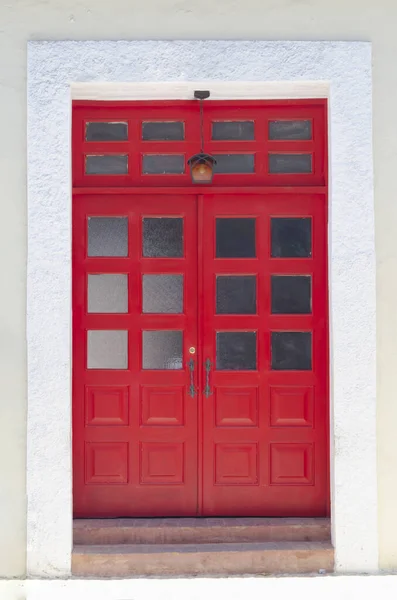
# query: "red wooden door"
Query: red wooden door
{"points": [[200, 348], [135, 317], [264, 355], [239, 281]]}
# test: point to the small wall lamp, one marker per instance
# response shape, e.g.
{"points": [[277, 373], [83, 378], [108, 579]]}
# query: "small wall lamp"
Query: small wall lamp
{"points": [[201, 164]]}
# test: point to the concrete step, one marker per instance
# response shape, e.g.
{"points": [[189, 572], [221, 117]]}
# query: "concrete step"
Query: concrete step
{"points": [[199, 531], [269, 558]]}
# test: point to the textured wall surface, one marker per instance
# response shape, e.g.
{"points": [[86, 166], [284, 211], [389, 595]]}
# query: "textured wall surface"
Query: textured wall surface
{"points": [[184, 19], [347, 68]]}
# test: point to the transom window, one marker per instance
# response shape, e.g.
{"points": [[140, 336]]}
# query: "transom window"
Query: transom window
{"points": [[254, 143]]}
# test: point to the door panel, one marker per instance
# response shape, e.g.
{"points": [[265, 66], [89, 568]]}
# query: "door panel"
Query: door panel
{"points": [[135, 316], [238, 426], [265, 346]]}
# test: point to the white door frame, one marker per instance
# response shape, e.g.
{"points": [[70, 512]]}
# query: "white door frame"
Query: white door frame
{"points": [[341, 71]]}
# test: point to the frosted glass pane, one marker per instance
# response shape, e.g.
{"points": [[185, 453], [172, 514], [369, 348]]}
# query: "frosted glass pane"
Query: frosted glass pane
{"points": [[106, 164], [233, 130], [291, 237], [162, 350], [162, 237], [290, 130], [107, 349], [106, 132], [236, 351], [107, 293], [236, 294], [290, 163], [235, 238], [234, 163], [162, 293], [107, 236], [163, 130], [291, 294], [163, 164], [291, 350]]}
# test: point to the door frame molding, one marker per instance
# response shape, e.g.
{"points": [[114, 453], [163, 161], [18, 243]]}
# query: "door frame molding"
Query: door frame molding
{"points": [[109, 70]]}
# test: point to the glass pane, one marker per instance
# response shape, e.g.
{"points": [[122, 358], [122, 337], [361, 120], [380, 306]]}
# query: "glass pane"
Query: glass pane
{"points": [[291, 350], [291, 294], [162, 350], [290, 163], [163, 131], [107, 236], [106, 164], [163, 164], [233, 130], [162, 237], [107, 293], [234, 163], [290, 130], [236, 294], [162, 293], [106, 132], [291, 238], [236, 351], [107, 349], [235, 238]]}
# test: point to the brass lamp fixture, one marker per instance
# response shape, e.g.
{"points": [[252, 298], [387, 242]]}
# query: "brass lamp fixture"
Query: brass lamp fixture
{"points": [[201, 164]]}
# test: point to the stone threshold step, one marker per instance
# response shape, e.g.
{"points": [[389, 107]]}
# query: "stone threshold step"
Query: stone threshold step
{"points": [[130, 560], [199, 530]]}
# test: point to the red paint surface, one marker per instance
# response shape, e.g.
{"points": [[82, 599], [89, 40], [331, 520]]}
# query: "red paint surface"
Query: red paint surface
{"points": [[259, 444]]}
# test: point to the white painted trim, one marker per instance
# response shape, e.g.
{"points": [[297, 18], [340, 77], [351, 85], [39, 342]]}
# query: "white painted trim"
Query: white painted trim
{"points": [[220, 90], [55, 69]]}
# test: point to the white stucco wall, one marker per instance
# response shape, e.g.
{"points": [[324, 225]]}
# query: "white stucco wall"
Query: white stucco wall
{"points": [[184, 19], [128, 69]]}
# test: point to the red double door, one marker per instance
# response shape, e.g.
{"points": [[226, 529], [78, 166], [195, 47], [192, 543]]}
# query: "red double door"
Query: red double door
{"points": [[200, 355]]}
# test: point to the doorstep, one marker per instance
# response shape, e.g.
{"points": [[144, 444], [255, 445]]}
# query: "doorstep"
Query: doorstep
{"points": [[201, 546]]}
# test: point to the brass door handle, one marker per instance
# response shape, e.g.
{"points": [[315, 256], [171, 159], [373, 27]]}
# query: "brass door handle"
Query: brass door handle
{"points": [[207, 389]]}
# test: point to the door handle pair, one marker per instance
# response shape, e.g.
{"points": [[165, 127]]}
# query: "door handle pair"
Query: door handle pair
{"points": [[207, 389]]}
